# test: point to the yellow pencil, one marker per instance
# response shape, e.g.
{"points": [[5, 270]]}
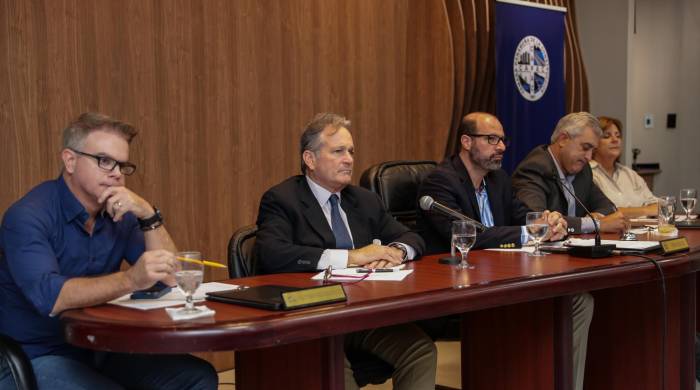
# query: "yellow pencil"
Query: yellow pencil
{"points": [[205, 262]]}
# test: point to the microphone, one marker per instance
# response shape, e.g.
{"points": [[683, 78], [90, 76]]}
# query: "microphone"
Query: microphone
{"points": [[596, 251], [427, 203]]}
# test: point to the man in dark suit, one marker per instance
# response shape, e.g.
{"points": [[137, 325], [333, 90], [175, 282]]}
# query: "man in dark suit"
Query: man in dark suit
{"points": [[540, 177], [473, 182], [316, 220]]}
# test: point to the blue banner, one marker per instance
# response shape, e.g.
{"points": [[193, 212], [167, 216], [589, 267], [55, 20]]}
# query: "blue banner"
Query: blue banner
{"points": [[530, 87]]}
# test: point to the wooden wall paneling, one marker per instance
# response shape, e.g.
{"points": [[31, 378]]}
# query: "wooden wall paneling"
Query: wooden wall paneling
{"points": [[455, 16]]}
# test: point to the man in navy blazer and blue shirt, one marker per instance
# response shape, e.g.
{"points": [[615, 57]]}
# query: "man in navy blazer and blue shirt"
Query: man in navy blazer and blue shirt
{"points": [[316, 220]]}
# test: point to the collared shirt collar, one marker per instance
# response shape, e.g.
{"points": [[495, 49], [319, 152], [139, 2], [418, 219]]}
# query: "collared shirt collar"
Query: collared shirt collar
{"points": [[71, 206], [569, 178], [616, 168], [321, 194]]}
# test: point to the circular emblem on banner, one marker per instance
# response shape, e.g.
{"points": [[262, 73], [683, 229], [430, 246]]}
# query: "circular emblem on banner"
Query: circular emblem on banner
{"points": [[531, 68]]}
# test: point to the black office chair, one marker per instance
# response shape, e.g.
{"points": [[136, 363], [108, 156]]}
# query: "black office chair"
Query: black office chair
{"points": [[241, 258], [12, 355], [366, 368], [397, 182]]}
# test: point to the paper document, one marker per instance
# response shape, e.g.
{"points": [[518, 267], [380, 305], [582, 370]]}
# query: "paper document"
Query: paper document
{"points": [[624, 245], [173, 298], [351, 274], [526, 249]]}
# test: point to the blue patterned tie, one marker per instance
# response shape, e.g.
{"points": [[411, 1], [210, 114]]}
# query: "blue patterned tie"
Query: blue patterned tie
{"points": [[342, 236]]}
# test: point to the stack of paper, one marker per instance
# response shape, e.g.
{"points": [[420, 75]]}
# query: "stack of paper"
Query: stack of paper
{"points": [[622, 245]]}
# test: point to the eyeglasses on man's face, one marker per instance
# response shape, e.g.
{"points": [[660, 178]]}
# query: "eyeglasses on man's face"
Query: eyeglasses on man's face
{"points": [[492, 139], [108, 163]]}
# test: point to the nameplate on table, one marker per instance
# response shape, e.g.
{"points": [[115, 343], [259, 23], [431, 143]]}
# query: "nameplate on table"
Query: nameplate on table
{"points": [[314, 296], [674, 245]]}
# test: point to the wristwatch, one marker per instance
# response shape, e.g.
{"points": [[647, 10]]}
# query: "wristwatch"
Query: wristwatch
{"points": [[401, 248], [153, 222]]}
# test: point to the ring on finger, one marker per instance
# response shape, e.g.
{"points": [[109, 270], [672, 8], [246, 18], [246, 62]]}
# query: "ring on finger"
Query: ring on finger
{"points": [[118, 205]]}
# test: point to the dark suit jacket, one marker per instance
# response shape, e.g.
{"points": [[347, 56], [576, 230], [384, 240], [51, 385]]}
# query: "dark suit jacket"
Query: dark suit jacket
{"points": [[293, 232], [535, 183], [450, 185]]}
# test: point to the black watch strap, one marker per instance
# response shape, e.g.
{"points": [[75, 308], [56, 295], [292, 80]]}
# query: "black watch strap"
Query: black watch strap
{"points": [[152, 222], [401, 248]]}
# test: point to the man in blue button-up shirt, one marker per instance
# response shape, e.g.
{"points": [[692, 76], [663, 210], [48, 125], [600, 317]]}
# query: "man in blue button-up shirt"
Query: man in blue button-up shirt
{"points": [[62, 245]]}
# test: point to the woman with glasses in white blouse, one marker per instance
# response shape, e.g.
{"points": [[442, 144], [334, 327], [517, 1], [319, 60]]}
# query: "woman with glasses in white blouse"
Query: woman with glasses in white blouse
{"points": [[622, 185]]}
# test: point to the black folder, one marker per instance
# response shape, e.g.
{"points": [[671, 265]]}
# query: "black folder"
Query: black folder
{"points": [[267, 297]]}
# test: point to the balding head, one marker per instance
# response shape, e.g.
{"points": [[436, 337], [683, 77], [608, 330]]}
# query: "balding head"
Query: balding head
{"points": [[474, 121]]}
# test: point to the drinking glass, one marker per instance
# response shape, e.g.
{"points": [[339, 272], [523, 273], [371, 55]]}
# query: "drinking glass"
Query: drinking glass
{"points": [[688, 198], [666, 207], [463, 237], [627, 234], [188, 275], [537, 227]]}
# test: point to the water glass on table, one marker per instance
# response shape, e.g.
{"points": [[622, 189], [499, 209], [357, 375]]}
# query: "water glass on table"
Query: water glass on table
{"points": [[463, 238], [189, 272], [688, 197], [537, 227]]}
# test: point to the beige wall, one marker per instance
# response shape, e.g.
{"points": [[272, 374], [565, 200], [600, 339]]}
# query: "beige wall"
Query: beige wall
{"points": [[651, 70], [603, 36]]}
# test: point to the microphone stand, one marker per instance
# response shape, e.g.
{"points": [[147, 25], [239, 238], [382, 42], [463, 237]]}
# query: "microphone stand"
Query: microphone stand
{"points": [[427, 203], [596, 251]]}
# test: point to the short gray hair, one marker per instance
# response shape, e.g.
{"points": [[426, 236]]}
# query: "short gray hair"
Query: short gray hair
{"points": [[573, 124], [74, 135], [311, 138]]}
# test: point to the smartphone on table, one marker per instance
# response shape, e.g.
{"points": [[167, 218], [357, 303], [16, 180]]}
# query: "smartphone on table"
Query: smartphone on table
{"points": [[156, 291]]}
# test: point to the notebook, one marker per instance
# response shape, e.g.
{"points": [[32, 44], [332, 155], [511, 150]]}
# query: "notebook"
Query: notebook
{"points": [[267, 297]]}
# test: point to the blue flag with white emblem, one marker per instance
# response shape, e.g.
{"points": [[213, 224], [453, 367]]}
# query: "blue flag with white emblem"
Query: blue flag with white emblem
{"points": [[530, 86]]}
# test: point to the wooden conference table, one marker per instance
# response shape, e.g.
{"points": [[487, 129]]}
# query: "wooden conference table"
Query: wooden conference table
{"points": [[516, 323]]}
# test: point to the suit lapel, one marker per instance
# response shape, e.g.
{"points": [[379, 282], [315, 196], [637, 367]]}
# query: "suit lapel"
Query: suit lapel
{"points": [[581, 190], [556, 180], [314, 215], [467, 183]]}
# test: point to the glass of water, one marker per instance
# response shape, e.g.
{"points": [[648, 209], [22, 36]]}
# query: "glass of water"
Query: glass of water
{"points": [[537, 227], [688, 198], [189, 272], [463, 238], [666, 207]]}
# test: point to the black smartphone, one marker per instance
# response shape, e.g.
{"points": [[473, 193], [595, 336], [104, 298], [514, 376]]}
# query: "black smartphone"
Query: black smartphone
{"points": [[158, 290]]}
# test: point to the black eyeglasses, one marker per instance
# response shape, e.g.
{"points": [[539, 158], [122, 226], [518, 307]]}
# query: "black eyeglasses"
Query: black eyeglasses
{"points": [[108, 163], [492, 139]]}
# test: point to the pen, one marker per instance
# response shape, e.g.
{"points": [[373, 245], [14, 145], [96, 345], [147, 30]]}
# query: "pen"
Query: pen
{"points": [[367, 271]]}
